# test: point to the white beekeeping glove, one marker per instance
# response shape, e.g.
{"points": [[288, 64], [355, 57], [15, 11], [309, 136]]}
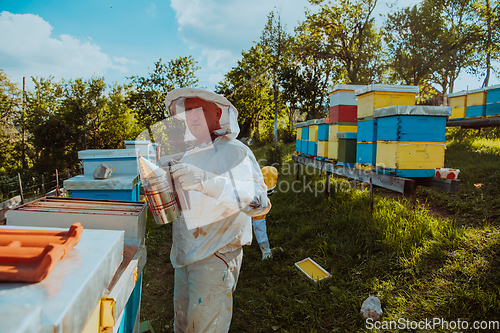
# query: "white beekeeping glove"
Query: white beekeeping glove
{"points": [[196, 179]]}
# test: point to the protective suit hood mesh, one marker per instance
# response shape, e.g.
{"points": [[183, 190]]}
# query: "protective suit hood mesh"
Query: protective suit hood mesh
{"points": [[174, 102]]}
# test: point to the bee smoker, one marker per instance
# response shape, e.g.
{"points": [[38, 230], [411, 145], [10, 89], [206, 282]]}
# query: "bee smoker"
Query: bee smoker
{"points": [[160, 193]]}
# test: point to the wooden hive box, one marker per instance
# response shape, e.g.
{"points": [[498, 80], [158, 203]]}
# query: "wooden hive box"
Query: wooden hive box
{"points": [[299, 133], [343, 103], [312, 148], [367, 130], [493, 94], [323, 129], [458, 103], [323, 148], [313, 133], [476, 103], [347, 148], [340, 127], [343, 94], [333, 149], [412, 123], [377, 96], [493, 101], [476, 97], [409, 158], [366, 153]]}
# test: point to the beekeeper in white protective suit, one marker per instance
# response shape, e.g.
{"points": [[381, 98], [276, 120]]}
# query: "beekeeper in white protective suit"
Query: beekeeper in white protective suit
{"points": [[225, 188]]}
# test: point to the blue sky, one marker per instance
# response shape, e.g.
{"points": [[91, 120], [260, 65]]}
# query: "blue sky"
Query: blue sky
{"points": [[120, 38]]}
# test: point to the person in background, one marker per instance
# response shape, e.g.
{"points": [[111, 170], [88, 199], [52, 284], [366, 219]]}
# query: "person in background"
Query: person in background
{"points": [[270, 174], [226, 188]]}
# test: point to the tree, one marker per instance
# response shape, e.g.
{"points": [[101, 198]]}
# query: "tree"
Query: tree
{"points": [[434, 37], [118, 122], [275, 41], [10, 107], [346, 33], [248, 87], [41, 104], [148, 94], [489, 46], [82, 110]]}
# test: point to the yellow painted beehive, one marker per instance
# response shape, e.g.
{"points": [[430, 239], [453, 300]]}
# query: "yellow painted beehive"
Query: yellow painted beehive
{"points": [[336, 128], [375, 96], [476, 97], [333, 149], [458, 102], [323, 148], [313, 133], [299, 133], [458, 113], [410, 154]]}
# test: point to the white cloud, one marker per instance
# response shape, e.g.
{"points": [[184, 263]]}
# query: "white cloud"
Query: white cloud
{"points": [[231, 23], [223, 28], [27, 49]]}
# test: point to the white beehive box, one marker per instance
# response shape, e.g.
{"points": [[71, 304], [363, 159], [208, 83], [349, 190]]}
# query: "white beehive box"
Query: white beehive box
{"points": [[55, 212], [65, 300]]}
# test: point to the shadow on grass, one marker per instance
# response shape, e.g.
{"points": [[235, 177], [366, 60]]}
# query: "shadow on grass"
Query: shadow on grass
{"points": [[478, 200]]}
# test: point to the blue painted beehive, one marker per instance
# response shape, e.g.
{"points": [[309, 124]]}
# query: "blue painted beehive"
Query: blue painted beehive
{"points": [[305, 133], [366, 153], [412, 123], [123, 161], [367, 130], [122, 184], [312, 148], [493, 101], [303, 146], [323, 129], [124, 187], [493, 94]]}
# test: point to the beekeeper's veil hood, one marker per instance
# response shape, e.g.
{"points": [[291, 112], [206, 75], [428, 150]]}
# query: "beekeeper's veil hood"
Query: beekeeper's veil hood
{"points": [[229, 118], [172, 134]]}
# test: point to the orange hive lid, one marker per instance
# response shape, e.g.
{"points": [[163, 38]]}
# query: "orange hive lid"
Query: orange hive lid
{"points": [[28, 255]]}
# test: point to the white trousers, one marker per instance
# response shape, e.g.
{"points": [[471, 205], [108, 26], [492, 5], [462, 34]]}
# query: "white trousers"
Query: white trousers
{"points": [[203, 293]]}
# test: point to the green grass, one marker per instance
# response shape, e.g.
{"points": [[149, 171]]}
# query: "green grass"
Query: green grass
{"points": [[420, 265]]}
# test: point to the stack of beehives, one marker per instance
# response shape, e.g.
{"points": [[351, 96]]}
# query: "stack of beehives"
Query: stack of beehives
{"points": [[411, 139], [475, 104], [343, 118], [373, 97]]}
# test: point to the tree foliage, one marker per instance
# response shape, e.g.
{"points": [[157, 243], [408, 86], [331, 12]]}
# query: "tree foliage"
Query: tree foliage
{"points": [[488, 50], [148, 93], [248, 87], [10, 109], [345, 31], [430, 43], [275, 42]]}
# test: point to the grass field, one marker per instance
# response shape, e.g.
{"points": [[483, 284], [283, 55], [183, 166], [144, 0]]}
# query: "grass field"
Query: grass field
{"points": [[439, 260]]}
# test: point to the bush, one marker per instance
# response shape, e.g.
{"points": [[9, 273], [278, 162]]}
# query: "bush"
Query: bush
{"points": [[274, 155]]}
